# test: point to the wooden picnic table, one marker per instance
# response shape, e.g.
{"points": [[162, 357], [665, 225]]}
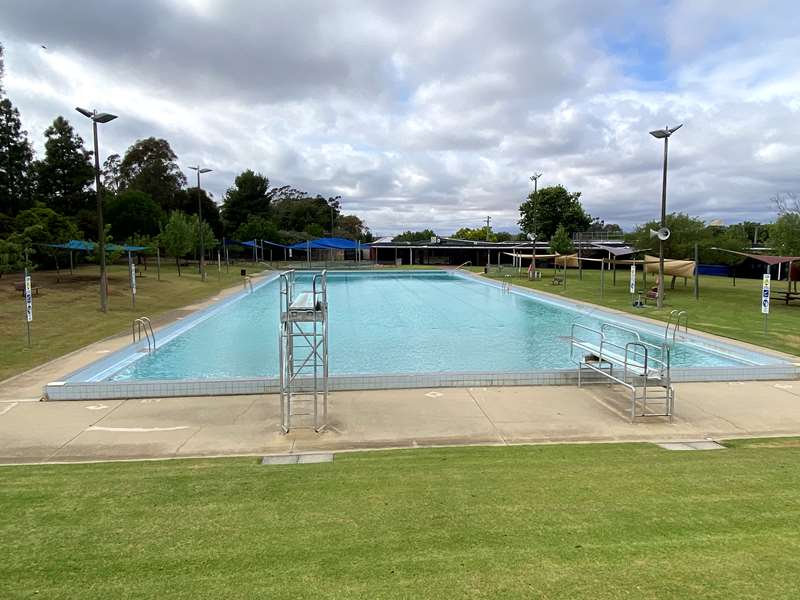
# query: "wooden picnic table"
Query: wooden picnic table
{"points": [[785, 295], [19, 286]]}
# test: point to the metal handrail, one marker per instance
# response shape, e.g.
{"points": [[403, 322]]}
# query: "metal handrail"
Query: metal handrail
{"points": [[142, 324], [469, 262], [248, 282], [677, 315], [618, 327], [659, 364]]}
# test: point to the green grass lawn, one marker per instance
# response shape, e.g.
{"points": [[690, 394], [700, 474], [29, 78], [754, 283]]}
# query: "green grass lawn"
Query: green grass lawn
{"points": [[566, 521], [66, 314], [722, 309]]}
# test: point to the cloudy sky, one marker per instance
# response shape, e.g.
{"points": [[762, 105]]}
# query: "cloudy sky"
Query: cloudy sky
{"points": [[434, 113]]}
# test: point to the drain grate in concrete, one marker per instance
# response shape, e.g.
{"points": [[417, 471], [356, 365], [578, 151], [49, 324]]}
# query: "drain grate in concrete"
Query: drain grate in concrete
{"points": [[297, 459], [702, 445]]}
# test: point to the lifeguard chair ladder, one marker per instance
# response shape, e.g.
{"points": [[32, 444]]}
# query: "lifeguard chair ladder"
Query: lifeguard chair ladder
{"points": [[304, 353]]}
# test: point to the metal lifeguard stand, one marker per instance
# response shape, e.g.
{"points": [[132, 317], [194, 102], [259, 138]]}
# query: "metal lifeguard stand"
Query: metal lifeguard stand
{"points": [[304, 353]]}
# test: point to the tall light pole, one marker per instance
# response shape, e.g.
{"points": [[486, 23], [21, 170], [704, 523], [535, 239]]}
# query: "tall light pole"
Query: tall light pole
{"points": [[665, 134], [535, 180], [200, 221], [101, 233]]}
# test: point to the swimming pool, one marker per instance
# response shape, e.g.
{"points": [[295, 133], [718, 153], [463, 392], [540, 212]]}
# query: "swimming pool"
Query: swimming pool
{"points": [[396, 329]]}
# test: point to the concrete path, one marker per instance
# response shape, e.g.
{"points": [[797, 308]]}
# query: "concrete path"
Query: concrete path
{"points": [[41, 432]]}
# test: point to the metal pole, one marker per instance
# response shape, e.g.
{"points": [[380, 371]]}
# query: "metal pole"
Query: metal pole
{"points": [[602, 276], [70, 262], [696, 273], [158, 263], [101, 233], [219, 265], [660, 300], [200, 225]]}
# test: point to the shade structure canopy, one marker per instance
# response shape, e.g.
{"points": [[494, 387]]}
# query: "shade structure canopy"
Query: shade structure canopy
{"points": [[329, 244], [618, 251], [84, 246], [765, 258]]}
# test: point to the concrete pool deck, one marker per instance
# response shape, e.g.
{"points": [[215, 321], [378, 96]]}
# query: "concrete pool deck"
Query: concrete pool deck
{"points": [[51, 432]]}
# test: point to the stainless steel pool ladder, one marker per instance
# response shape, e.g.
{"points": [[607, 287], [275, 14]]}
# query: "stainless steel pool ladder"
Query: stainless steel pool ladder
{"points": [[469, 262], [248, 282], [674, 323], [143, 325], [645, 366], [303, 353]]}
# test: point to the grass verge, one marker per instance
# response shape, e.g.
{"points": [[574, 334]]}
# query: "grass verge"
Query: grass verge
{"points": [[566, 521]]}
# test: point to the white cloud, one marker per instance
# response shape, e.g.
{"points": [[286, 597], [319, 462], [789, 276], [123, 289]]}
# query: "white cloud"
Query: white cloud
{"points": [[435, 113]]}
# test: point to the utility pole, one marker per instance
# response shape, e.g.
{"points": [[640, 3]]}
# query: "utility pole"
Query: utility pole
{"points": [[488, 220]]}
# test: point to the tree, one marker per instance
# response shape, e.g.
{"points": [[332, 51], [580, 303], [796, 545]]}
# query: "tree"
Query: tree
{"points": [[209, 241], [353, 228], [475, 235], [550, 207], [784, 235], [132, 213], [64, 176], [16, 159], [149, 166], [249, 196], [186, 201], [415, 236], [300, 212], [685, 231], [560, 242], [257, 228], [112, 178], [11, 255], [40, 226], [177, 237], [598, 225]]}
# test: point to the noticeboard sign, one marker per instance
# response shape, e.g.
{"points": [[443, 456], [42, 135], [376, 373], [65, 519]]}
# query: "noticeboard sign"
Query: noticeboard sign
{"points": [[28, 299], [765, 295]]}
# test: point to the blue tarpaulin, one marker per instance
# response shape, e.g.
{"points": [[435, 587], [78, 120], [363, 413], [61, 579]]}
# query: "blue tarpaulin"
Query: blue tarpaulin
{"points": [[89, 246]]}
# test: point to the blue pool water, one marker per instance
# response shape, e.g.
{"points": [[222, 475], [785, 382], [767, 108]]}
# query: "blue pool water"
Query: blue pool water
{"points": [[401, 322]]}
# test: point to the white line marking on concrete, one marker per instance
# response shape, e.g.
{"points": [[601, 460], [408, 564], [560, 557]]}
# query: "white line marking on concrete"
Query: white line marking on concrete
{"points": [[103, 352], [136, 429], [8, 408], [783, 386], [434, 394], [97, 407], [150, 400]]}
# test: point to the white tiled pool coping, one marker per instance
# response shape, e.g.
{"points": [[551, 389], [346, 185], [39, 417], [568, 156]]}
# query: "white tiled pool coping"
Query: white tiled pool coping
{"points": [[91, 383]]}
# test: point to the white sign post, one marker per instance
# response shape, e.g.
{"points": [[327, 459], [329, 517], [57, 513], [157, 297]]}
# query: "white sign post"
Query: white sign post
{"points": [[28, 304], [632, 286], [132, 269], [765, 299]]}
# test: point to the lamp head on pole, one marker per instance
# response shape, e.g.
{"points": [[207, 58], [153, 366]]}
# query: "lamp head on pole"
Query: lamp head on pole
{"points": [[95, 116], [201, 170], [666, 132]]}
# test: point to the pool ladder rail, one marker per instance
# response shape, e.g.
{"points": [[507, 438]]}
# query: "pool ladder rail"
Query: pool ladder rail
{"points": [[645, 367], [674, 324], [142, 326], [303, 353]]}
